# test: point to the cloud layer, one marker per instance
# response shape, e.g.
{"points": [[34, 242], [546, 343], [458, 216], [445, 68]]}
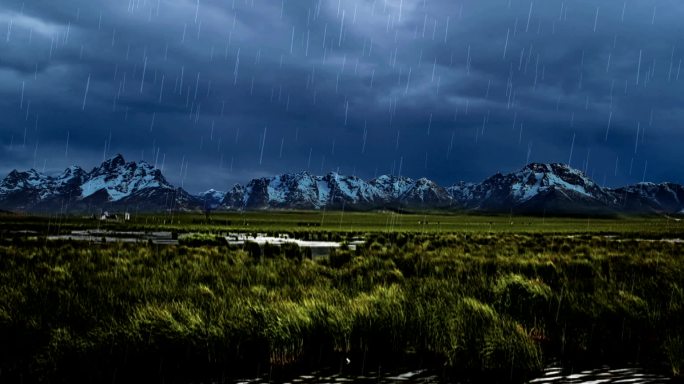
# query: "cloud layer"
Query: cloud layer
{"points": [[221, 91]]}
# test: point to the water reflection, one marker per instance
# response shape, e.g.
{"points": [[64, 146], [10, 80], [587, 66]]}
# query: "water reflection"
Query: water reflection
{"points": [[602, 375], [420, 376], [552, 375]]}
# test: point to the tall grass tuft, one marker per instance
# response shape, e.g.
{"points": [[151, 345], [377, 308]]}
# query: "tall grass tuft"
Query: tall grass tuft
{"points": [[491, 307]]}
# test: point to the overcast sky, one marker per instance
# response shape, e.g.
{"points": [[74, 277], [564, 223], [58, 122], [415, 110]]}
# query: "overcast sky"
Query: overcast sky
{"points": [[222, 91]]}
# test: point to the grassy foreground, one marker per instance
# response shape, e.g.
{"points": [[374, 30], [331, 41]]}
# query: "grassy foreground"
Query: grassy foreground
{"points": [[346, 222], [492, 307]]}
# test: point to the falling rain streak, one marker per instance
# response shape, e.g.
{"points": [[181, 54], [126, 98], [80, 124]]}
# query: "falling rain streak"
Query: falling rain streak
{"points": [[441, 89]]}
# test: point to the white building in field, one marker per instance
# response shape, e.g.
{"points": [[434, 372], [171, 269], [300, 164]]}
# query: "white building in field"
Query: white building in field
{"points": [[107, 216], [318, 248]]}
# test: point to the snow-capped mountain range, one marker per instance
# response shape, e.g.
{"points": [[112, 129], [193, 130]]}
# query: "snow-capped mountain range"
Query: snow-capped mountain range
{"points": [[306, 191], [537, 188], [115, 184]]}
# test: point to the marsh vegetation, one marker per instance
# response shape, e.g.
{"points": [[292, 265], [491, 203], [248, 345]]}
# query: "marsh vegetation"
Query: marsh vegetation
{"points": [[481, 306]]}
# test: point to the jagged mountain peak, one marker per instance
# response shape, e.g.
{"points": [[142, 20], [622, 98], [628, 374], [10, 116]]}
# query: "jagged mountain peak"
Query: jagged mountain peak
{"points": [[561, 170], [425, 181], [383, 178], [298, 175], [120, 179], [118, 162], [212, 198], [72, 176], [27, 173], [548, 167], [209, 192], [72, 172], [112, 163], [27, 179], [113, 182], [333, 190], [553, 175], [393, 187], [212, 194], [145, 165], [74, 169], [651, 197], [534, 188]]}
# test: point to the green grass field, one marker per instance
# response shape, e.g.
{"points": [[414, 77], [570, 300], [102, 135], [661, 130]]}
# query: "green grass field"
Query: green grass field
{"points": [[374, 222], [479, 298]]}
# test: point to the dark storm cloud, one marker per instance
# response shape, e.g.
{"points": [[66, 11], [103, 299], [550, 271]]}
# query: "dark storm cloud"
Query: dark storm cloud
{"points": [[451, 90]]}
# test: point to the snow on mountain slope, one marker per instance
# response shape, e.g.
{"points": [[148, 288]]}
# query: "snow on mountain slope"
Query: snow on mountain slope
{"points": [[664, 197], [537, 178], [535, 188], [323, 190], [424, 191], [213, 194], [113, 182], [235, 198], [120, 179], [296, 189], [302, 190], [30, 179], [212, 198], [349, 191], [71, 176], [23, 189], [276, 192], [392, 187], [462, 192]]}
